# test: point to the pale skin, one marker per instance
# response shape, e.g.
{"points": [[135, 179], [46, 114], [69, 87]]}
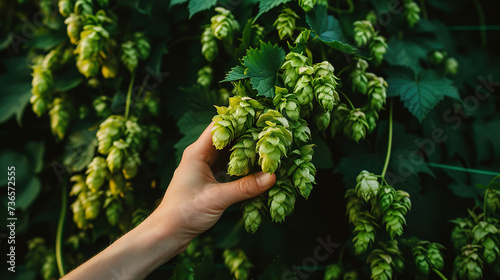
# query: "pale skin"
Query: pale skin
{"points": [[193, 203]]}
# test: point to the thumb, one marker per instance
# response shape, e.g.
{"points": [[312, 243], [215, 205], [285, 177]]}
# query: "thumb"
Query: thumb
{"points": [[246, 187]]}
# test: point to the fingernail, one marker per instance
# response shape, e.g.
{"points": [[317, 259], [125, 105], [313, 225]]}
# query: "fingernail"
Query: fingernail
{"points": [[263, 179]]}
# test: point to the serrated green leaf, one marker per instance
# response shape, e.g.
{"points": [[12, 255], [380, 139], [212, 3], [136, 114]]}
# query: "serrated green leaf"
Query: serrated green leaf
{"points": [[266, 5], [80, 150], [16, 89], [263, 65], [196, 6], [328, 29], [421, 93], [405, 53], [236, 73]]}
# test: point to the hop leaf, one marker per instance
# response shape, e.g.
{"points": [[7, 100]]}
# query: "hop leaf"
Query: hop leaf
{"points": [[285, 23]]}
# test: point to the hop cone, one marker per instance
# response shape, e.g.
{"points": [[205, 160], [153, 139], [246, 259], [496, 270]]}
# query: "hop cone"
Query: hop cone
{"points": [[205, 76], [371, 119], [378, 48], [324, 85], [412, 13], [243, 153], [84, 7], [367, 185], [293, 62], [253, 210], [209, 47], [74, 27], [381, 265], [133, 134], [223, 131], [117, 183], [364, 230], [65, 7], [114, 209], [377, 92], [322, 119], [469, 264], [356, 125], [79, 214], [435, 256], [238, 264], [53, 59], [110, 65], [223, 24], [363, 32], [301, 131], [339, 118], [59, 118], [303, 171], [97, 172], [491, 249], [281, 200], [304, 88], [129, 55], [142, 45], [89, 47], [307, 5], [387, 195], [243, 111], [79, 186], [485, 233], [354, 205], [394, 219], [285, 23], [461, 235], [358, 77], [451, 66], [437, 57], [333, 272], [116, 155], [42, 84], [492, 200], [92, 204], [131, 165], [109, 131], [274, 140], [421, 261], [287, 104]]}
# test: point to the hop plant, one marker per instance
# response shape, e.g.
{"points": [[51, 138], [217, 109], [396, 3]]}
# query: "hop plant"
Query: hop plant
{"points": [[59, 118], [486, 234], [84, 7], [304, 89], [223, 131], [204, 76], [97, 173], [274, 140], [356, 126], [377, 92], [421, 261], [109, 131], [394, 217], [116, 155], [384, 261], [412, 13], [42, 85], [324, 85], [243, 111], [209, 47], [387, 195], [131, 165], [363, 32], [364, 230], [435, 256], [354, 205], [378, 48], [367, 185], [253, 211], [307, 5], [301, 131], [492, 201], [74, 24], [224, 25], [333, 272], [238, 263], [293, 62], [287, 104], [302, 170], [451, 66], [322, 118], [65, 7], [281, 200], [285, 23], [469, 264], [243, 154], [339, 117], [359, 79]]}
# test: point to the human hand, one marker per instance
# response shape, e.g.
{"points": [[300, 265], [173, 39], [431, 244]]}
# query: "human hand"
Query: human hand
{"points": [[194, 200]]}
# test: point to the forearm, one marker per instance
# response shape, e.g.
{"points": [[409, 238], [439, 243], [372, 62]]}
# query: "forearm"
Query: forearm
{"points": [[134, 255]]}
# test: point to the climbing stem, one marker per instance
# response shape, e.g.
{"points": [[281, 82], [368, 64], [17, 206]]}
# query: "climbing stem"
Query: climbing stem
{"points": [[482, 22], [458, 168], [60, 229], [348, 100], [389, 144], [129, 95], [424, 9], [439, 274]]}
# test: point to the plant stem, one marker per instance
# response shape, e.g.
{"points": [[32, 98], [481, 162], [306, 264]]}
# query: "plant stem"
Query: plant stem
{"points": [[60, 229], [389, 144], [439, 274], [348, 100], [424, 8], [484, 203], [457, 168], [482, 22], [129, 95]]}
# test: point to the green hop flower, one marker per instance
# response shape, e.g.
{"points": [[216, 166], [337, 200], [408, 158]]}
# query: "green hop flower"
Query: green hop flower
{"points": [[110, 65], [97, 172], [205, 76], [281, 200], [91, 43], [40, 104], [367, 185], [74, 24], [461, 235], [114, 210], [84, 7], [65, 7], [394, 219], [491, 250], [338, 119], [371, 119], [238, 263], [131, 165], [304, 89], [293, 62], [42, 82], [451, 66], [363, 32], [378, 48], [243, 154], [274, 140], [412, 13], [469, 264], [92, 204], [129, 55], [116, 155], [437, 57], [253, 209], [356, 125], [142, 45], [53, 59], [59, 118], [322, 119], [302, 170], [80, 186], [372, 17], [307, 5], [435, 256], [325, 93], [109, 131], [364, 230], [223, 24], [377, 92], [492, 200], [387, 195], [380, 265], [301, 131], [243, 111], [358, 77], [333, 271], [133, 134], [102, 106], [354, 205], [117, 183], [324, 69], [209, 47], [79, 214], [287, 104], [223, 130], [421, 261], [285, 23]]}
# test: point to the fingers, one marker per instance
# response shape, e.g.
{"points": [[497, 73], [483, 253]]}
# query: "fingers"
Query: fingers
{"points": [[245, 188], [203, 149]]}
